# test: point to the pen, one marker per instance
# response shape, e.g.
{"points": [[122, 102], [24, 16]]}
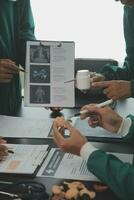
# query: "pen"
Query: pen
{"points": [[105, 103], [22, 70], [69, 81], [99, 105], [5, 182], [10, 151]]}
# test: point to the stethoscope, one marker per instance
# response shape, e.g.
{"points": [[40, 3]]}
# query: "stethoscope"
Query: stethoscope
{"points": [[29, 190]]}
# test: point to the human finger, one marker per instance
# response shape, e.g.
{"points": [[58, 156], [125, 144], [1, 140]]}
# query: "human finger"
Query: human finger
{"points": [[91, 108], [5, 78], [2, 141], [93, 124], [106, 91], [7, 61], [101, 84], [85, 107], [3, 150], [94, 120], [9, 67], [97, 78], [56, 134], [60, 121], [112, 95]]}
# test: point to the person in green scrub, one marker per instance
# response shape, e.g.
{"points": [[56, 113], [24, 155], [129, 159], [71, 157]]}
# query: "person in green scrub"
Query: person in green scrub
{"points": [[117, 175], [118, 83], [16, 27]]}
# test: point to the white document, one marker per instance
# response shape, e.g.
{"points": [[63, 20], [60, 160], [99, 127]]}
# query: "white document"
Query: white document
{"points": [[25, 160], [21, 127], [68, 166], [86, 130], [48, 65], [65, 166]]}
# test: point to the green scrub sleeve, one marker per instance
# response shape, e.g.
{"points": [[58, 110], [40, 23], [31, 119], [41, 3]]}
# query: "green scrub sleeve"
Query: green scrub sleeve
{"points": [[26, 30], [117, 175], [129, 138], [132, 88], [115, 73]]}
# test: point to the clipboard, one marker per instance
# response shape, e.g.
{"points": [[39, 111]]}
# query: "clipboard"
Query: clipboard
{"points": [[26, 159], [48, 65]]}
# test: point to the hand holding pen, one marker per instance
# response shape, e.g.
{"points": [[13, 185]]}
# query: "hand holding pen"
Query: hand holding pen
{"points": [[4, 150], [84, 111], [87, 111], [8, 69], [102, 115]]}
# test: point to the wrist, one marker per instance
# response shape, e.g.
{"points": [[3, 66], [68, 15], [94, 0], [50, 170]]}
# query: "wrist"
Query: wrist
{"points": [[86, 150], [124, 127], [118, 124]]}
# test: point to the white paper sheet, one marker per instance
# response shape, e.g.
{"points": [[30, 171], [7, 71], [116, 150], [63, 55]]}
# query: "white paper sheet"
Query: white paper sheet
{"points": [[68, 166], [25, 160], [24, 127], [65, 166], [48, 65], [86, 130]]}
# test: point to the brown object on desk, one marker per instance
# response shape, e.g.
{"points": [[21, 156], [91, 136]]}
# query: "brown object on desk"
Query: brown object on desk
{"points": [[72, 193], [88, 192], [77, 184], [74, 190]]}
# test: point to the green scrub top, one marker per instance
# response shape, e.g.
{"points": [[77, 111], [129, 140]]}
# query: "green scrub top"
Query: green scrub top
{"points": [[127, 72], [119, 176], [16, 27]]}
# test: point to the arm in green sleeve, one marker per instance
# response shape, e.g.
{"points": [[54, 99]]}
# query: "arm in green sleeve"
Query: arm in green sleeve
{"points": [[26, 28], [115, 73], [110, 170], [132, 88], [127, 72]]}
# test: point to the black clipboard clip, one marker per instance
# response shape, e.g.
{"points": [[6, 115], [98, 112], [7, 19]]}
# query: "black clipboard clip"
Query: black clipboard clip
{"points": [[57, 45]]}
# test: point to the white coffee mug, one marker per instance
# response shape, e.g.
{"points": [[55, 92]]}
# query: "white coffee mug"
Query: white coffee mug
{"points": [[83, 79]]}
